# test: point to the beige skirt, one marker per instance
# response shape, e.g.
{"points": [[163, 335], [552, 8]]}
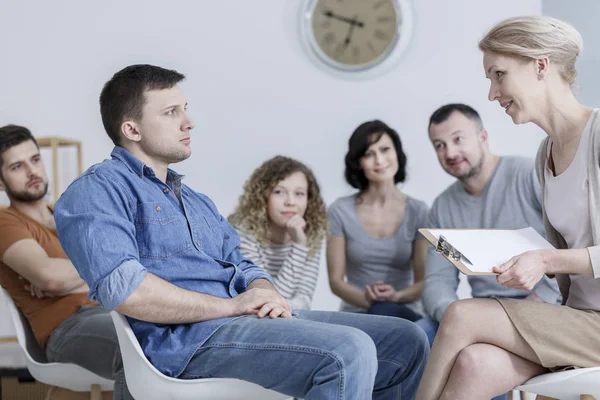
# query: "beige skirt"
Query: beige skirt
{"points": [[562, 337]]}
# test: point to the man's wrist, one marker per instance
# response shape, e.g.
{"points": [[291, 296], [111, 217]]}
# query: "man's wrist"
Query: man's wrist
{"points": [[230, 306], [261, 283]]}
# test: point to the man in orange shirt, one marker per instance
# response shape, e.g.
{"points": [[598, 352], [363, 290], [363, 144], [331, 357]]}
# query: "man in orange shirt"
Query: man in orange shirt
{"points": [[38, 275]]}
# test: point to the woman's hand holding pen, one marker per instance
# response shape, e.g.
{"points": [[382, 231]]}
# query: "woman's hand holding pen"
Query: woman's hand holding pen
{"points": [[523, 271]]}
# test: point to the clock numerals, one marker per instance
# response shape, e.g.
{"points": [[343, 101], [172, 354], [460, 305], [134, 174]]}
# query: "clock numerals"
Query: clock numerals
{"points": [[326, 24], [381, 35], [328, 39], [355, 53], [355, 33], [385, 19], [379, 4], [340, 49], [371, 47]]}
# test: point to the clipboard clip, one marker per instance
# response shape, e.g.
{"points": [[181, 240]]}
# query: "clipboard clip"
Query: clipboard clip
{"points": [[447, 250]]}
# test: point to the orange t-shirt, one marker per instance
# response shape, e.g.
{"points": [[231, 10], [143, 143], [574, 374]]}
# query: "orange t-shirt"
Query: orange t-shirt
{"points": [[44, 315]]}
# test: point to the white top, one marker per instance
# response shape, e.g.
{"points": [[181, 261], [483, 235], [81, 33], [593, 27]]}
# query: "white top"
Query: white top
{"points": [[566, 199], [293, 269]]}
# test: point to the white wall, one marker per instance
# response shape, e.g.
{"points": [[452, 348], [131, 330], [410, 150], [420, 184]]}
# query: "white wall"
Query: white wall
{"points": [[251, 89], [583, 15]]}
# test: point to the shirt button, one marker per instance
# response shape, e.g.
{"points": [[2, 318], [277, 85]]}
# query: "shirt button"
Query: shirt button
{"points": [[158, 209], [198, 244], [165, 191]]}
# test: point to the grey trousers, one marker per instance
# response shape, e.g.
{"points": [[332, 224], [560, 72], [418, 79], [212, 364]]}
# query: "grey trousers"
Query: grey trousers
{"points": [[88, 339]]}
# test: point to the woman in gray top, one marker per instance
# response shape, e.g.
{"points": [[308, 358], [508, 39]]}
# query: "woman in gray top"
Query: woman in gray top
{"points": [[375, 255], [486, 346]]}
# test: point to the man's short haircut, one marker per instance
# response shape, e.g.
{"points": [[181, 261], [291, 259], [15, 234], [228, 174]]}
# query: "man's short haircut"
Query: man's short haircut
{"points": [[12, 135], [122, 97], [443, 113]]}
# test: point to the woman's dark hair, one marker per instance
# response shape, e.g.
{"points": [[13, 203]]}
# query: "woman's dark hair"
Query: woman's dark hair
{"points": [[364, 136]]}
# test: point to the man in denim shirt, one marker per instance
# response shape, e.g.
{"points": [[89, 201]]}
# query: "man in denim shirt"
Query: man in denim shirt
{"points": [[160, 253]]}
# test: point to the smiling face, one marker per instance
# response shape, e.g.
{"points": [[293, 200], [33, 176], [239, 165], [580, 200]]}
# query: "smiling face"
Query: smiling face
{"points": [[380, 161], [516, 84], [460, 144], [23, 174], [287, 199]]}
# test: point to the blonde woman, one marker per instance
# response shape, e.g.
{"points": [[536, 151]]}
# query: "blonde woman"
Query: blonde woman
{"points": [[485, 347], [281, 219]]}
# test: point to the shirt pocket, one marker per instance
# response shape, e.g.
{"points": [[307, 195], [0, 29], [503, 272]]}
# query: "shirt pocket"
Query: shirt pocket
{"points": [[161, 232]]}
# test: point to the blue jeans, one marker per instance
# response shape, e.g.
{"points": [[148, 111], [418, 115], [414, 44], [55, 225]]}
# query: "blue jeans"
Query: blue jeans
{"points": [[88, 339], [318, 355], [394, 310], [430, 327]]}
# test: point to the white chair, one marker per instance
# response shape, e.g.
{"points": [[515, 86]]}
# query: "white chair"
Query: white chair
{"points": [[573, 384], [146, 382], [68, 376]]}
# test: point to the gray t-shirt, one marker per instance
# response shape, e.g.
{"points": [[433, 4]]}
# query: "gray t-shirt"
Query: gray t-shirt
{"points": [[510, 200], [370, 259]]}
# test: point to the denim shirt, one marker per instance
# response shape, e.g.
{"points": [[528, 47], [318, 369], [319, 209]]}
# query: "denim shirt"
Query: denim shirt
{"points": [[118, 221]]}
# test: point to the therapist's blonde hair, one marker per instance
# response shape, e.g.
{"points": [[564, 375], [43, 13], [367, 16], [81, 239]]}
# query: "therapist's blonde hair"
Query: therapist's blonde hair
{"points": [[534, 37]]}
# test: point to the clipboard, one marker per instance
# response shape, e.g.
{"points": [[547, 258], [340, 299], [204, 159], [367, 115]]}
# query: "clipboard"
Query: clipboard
{"points": [[475, 251], [444, 248]]}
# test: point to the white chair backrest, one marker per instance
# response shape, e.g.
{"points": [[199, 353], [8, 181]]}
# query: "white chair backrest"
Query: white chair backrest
{"points": [[25, 335], [146, 382], [65, 375], [130, 347]]}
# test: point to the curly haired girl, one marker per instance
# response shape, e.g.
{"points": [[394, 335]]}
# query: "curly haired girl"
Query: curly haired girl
{"points": [[282, 220]]}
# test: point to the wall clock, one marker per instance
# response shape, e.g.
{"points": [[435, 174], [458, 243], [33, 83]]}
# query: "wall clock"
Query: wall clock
{"points": [[355, 36]]}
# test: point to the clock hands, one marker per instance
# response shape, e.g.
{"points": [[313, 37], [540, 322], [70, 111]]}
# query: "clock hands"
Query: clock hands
{"points": [[348, 37], [352, 21]]}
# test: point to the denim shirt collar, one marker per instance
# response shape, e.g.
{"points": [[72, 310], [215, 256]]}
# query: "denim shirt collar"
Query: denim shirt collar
{"points": [[140, 168]]}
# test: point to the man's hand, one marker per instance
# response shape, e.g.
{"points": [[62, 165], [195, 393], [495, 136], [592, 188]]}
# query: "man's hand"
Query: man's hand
{"points": [[41, 294], [295, 227], [261, 302], [36, 291], [32, 289]]}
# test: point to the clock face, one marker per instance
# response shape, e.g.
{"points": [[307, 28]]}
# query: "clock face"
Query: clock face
{"points": [[354, 34]]}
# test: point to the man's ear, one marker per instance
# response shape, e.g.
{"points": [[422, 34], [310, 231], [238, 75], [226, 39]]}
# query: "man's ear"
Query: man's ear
{"points": [[129, 129], [483, 135], [2, 187], [542, 66]]}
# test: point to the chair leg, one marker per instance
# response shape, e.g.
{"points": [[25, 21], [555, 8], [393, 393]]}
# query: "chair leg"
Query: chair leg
{"points": [[524, 395], [58, 393], [96, 393], [510, 395], [50, 393]]}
